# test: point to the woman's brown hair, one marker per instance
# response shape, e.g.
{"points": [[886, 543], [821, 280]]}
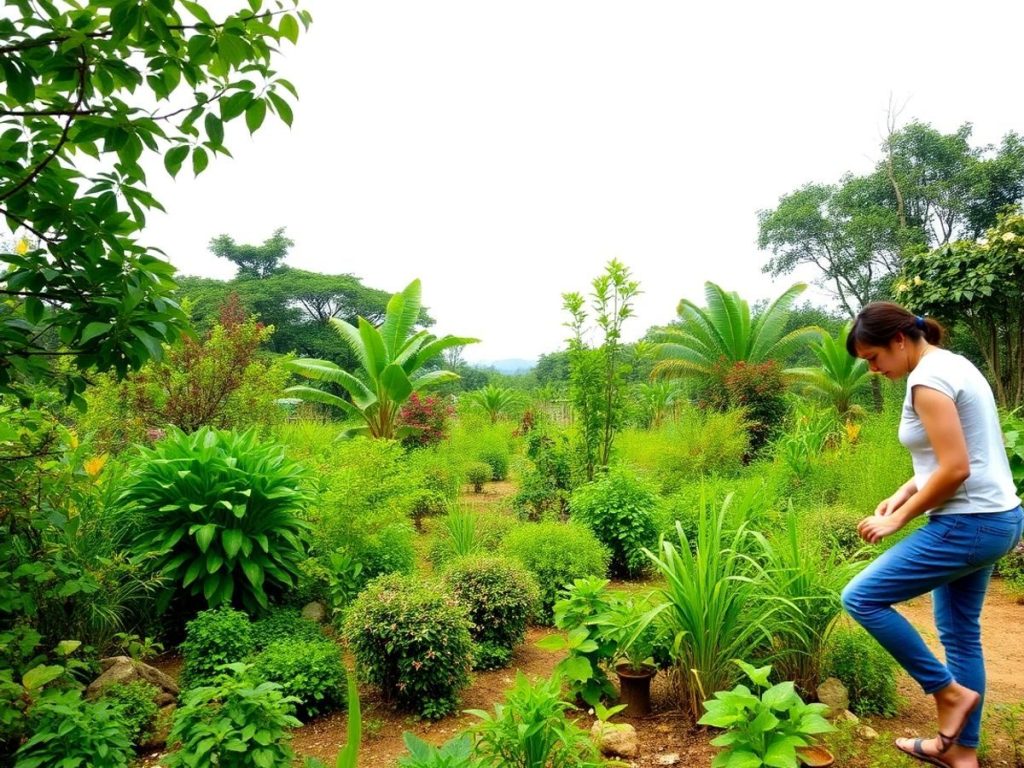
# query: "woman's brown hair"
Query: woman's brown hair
{"points": [[878, 323]]}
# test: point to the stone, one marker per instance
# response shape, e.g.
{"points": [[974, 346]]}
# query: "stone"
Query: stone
{"points": [[670, 759], [847, 716], [122, 670], [834, 695], [867, 733], [161, 728], [615, 739], [314, 612]]}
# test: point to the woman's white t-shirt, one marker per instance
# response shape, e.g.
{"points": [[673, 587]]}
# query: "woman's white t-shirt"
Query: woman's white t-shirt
{"points": [[990, 487]]}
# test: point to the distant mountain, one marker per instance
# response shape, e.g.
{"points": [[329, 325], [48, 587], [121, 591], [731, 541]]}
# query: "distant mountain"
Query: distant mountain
{"points": [[508, 365]]}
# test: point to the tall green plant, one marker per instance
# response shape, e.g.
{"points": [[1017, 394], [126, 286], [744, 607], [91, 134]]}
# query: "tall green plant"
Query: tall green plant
{"points": [[219, 516], [840, 378], [597, 377], [391, 359], [725, 331], [495, 401], [716, 611]]}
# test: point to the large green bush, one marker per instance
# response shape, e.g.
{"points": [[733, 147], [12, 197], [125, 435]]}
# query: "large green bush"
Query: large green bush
{"points": [[556, 553], [214, 637], [413, 641], [500, 595], [310, 670], [69, 731], [620, 509], [233, 723], [136, 704], [865, 668], [284, 624], [220, 514]]}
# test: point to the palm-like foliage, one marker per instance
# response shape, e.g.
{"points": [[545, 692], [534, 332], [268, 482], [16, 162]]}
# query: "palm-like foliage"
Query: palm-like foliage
{"points": [[840, 376], [494, 400], [725, 330], [657, 399], [391, 359]]}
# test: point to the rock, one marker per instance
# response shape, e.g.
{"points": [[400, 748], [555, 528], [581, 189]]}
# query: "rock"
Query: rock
{"points": [[867, 733], [615, 739], [123, 670], [847, 716], [670, 759], [314, 612], [833, 694], [164, 698]]}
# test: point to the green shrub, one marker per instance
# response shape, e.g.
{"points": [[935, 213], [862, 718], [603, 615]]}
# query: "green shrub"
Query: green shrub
{"points": [[557, 554], [478, 473], [757, 388], [835, 528], [438, 470], [214, 637], [233, 723], [695, 444], [457, 752], [68, 731], [530, 729], [309, 670], [136, 703], [466, 532], [865, 668], [412, 641], [497, 460], [1011, 568], [283, 624], [620, 510], [500, 595], [219, 515]]}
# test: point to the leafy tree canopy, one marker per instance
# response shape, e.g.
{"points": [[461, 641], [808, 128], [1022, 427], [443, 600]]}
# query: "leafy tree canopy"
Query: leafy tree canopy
{"points": [[253, 260], [88, 90]]}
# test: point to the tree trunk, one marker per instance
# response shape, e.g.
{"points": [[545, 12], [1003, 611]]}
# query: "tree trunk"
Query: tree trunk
{"points": [[876, 394]]}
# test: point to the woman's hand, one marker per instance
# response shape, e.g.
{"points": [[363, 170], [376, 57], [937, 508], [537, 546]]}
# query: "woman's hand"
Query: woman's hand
{"points": [[875, 528], [887, 506]]}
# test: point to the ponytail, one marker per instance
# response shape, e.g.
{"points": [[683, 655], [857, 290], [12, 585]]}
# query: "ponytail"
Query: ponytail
{"points": [[878, 323]]}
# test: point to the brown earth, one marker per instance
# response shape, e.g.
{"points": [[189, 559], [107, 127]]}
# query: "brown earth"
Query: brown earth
{"points": [[666, 733]]}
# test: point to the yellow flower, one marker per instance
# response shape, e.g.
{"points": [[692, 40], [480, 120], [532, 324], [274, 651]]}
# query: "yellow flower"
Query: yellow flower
{"points": [[852, 431], [95, 465], [1009, 237], [22, 247], [918, 280], [901, 287]]}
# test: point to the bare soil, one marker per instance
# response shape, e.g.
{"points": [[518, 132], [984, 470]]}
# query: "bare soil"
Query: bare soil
{"points": [[666, 737]]}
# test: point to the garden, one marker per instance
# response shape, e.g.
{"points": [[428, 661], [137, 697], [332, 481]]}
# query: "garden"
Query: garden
{"points": [[277, 521]]}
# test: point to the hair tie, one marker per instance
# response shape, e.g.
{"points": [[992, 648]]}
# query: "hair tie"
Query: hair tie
{"points": [[919, 321]]}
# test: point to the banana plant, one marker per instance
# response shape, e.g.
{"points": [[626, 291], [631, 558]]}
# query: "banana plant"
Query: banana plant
{"points": [[391, 358], [840, 377]]}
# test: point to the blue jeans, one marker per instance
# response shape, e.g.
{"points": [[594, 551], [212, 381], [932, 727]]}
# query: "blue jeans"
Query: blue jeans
{"points": [[950, 556]]}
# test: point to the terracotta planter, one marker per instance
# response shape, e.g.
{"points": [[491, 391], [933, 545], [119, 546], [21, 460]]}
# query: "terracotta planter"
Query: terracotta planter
{"points": [[635, 689], [815, 756]]}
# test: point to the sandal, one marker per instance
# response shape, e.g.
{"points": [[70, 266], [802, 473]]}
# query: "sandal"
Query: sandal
{"points": [[919, 754], [948, 741]]}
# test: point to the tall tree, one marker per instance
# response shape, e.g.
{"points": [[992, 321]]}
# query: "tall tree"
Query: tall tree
{"points": [[258, 261], [112, 82]]}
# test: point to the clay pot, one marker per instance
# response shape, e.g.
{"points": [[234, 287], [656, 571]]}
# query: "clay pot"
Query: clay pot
{"points": [[635, 689], [815, 756]]}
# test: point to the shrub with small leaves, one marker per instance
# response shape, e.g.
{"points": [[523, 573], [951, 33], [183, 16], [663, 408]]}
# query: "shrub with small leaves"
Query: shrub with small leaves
{"points": [[865, 668], [233, 723], [478, 473], [620, 510], [309, 670], [219, 516], [501, 595], [497, 459], [136, 702], [215, 637], [413, 641], [284, 624], [69, 731], [557, 554]]}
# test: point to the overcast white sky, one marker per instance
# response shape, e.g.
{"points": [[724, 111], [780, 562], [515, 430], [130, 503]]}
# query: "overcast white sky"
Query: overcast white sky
{"points": [[504, 152]]}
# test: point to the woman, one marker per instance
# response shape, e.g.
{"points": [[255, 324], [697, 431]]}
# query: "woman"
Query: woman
{"points": [[962, 482]]}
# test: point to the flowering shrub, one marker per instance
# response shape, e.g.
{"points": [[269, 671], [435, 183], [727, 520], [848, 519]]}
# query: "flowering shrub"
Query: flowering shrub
{"points": [[429, 416], [413, 641]]}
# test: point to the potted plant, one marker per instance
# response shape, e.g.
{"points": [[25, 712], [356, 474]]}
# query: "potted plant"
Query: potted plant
{"points": [[630, 626], [775, 728]]}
